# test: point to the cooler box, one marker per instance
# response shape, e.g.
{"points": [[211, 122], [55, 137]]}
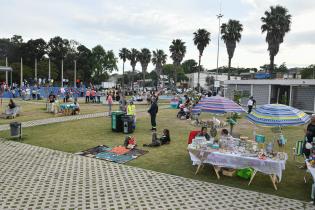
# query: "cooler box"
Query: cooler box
{"points": [[117, 123]]}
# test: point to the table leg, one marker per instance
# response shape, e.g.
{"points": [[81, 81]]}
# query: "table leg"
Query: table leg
{"points": [[217, 170], [198, 169], [252, 177], [274, 180]]}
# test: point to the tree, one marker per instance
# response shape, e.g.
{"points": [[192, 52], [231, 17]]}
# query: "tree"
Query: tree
{"points": [[103, 63], [132, 57], [201, 40], [276, 23], [34, 50], [159, 59], [123, 53], [190, 66], [231, 33], [144, 57], [178, 51], [210, 81], [84, 63], [58, 49], [308, 72], [282, 68]]}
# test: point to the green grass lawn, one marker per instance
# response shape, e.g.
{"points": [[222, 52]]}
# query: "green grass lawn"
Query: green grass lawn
{"points": [[173, 159]]}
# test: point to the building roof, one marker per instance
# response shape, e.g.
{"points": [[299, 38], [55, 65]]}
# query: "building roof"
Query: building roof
{"points": [[4, 68], [271, 82]]}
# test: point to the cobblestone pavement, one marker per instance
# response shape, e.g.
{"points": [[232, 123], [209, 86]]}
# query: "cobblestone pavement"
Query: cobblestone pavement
{"points": [[33, 177], [55, 120]]}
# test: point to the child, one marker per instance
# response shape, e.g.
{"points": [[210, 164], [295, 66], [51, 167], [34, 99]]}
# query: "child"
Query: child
{"points": [[130, 142], [165, 139]]}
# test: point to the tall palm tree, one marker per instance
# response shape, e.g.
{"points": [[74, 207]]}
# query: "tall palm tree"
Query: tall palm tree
{"points": [[159, 59], [231, 33], [201, 40], [178, 51], [132, 56], [144, 57], [123, 53], [276, 23]]}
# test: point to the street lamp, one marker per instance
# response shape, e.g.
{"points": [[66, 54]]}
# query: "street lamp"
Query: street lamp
{"points": [[219, 16]]}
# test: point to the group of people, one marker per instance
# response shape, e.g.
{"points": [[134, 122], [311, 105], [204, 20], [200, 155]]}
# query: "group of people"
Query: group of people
{"points": [[53, 104], [92, 95]]}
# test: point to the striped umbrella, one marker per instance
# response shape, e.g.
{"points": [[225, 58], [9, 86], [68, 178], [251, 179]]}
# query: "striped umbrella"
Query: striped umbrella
{"points": [[217, 105], [278, 115]]}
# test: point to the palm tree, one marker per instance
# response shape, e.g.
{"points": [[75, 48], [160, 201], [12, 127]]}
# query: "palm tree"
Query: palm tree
{"points": [[123, 53], [144, 57], [201, 40], [178, 51], [276, 23], [231, 33], [132, 56], [159, 59]]}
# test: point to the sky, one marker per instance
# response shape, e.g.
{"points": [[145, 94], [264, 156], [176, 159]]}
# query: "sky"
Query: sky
{"points": [[153, 24]]}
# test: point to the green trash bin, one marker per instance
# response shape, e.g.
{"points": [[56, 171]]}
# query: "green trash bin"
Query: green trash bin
{"points": [[117, 123], [16, 129]]}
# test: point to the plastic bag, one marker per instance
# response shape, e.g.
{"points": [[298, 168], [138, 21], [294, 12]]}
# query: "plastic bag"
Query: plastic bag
{"points": [[245, 173]]}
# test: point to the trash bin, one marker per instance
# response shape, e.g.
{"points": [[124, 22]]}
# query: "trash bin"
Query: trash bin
{"points": [[16, 129], [128, 124], [117, 123]]}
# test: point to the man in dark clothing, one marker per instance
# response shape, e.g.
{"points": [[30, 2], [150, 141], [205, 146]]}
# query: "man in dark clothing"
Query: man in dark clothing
{"points": [[153, 111], [310, 135]]}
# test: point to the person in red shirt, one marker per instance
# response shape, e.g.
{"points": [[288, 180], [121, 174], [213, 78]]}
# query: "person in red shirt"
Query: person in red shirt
{"points": [[87, 96], [93, 94]]}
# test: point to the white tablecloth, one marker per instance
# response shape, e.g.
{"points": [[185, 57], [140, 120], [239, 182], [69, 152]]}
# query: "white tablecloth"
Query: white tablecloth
{"points": [[236, 161], [310, 169]]}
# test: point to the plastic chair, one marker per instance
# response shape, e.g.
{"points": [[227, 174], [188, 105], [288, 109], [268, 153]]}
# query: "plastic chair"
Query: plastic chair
{"points": [[298, 151], [192, 135]]}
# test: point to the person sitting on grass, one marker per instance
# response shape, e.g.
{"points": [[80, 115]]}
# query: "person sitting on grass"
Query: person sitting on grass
{"points": [[11, 104], [11, 107], [76, 109], [204, 133], [51, 97], [156, 142]]}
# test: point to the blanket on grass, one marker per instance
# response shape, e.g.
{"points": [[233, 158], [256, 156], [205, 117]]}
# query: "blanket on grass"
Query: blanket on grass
{"points": [[117, 154]]}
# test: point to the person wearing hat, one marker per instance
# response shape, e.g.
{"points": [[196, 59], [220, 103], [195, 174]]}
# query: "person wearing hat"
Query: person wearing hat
{"points": [[153, 111], [309, 136]]}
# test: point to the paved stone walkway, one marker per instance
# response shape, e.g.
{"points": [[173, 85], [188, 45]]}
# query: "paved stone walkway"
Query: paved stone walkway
{"points": [[55, 120], [64, 119], [33, 177]]}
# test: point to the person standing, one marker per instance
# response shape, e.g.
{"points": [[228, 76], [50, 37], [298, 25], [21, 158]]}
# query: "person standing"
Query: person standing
{"points": [[122, 103], [87, 96], [131, 110], [309, 135], [153, 112], [250, 104], [110, 103]]}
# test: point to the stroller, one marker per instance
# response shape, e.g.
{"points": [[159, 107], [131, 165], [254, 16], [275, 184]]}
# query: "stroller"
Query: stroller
{"points": [[183, 113]]}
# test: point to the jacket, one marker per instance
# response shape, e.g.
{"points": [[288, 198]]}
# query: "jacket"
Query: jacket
{"points": [[153, 109]]}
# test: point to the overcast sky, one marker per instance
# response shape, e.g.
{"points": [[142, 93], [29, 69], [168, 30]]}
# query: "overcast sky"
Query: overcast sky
{"points": [[155, 23]]}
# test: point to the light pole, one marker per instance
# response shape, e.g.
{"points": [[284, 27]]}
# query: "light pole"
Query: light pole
{"points": [[75, 74], [219, 16], [6, 73]]}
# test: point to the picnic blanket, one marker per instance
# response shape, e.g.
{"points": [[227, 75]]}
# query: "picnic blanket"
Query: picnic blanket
{"points": [[117, 154]]}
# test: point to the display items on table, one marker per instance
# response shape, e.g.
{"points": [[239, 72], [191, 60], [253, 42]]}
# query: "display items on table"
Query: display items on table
{"points": [[235, 153]]}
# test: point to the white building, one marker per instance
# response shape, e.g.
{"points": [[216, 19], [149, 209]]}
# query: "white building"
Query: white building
{"points": [[193, 78]]}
